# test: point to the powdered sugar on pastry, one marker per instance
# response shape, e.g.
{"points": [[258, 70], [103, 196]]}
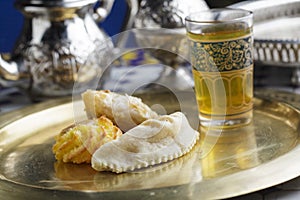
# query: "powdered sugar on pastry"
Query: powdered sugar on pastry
{"points": [[152, 142]]}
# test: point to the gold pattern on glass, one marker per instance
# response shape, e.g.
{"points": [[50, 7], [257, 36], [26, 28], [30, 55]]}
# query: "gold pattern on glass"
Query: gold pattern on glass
{"points": [[238, 88], [222, 61]]}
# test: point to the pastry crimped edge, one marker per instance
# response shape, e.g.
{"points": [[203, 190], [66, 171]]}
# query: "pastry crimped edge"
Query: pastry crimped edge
{"points": [[116, 169], [100, 164]]}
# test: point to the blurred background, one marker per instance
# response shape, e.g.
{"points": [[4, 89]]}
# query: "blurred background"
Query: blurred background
{"points": [[11, 20]]}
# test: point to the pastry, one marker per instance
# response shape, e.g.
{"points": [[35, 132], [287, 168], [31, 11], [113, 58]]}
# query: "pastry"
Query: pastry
{"points": [[77, 143], [124, 110], [152, 142]]}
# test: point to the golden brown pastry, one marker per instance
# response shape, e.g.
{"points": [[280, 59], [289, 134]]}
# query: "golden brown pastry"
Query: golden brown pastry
{"points": [[124, 110], [77, 143]]}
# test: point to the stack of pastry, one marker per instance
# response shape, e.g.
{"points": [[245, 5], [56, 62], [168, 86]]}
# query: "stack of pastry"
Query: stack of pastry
{"points": [[148, 138], [104, 108]]}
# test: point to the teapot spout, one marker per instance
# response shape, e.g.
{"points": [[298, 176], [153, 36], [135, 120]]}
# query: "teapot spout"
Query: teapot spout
{"points": [[10, 75]]}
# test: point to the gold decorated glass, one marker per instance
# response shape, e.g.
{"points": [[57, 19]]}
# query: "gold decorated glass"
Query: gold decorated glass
{"points": [[220, 48]]}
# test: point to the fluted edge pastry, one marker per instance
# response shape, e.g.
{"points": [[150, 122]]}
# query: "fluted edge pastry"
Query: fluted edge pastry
{"points": [[152, 142], [77, 143]]}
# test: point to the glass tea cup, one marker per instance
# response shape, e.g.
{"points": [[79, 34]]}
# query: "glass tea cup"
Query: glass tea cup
{"points": [[221, 53]]}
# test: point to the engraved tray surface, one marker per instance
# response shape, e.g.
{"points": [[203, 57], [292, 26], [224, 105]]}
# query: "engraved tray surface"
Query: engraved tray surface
{"points": [[239, 161]]}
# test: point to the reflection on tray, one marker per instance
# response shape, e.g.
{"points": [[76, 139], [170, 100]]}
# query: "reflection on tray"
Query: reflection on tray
{"points": [[183, 170], [228, 151]]}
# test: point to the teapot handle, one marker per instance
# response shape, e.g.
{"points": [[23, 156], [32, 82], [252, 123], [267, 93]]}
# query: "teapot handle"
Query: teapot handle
{"points": [[102, 12]]}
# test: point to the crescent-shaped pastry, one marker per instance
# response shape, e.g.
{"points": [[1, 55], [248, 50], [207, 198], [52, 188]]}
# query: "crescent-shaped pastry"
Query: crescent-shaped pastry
{"points": [[77, 143], [152, 142], [124, 110]]}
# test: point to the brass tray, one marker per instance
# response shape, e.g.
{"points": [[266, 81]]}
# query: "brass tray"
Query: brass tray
{"points": [[224, 164]]}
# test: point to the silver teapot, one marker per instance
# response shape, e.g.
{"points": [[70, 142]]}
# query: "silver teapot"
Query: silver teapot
{"points": [[60, 44]]}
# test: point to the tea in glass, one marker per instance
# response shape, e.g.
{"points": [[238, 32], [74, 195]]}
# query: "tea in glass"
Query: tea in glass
{"points": [[221, 46]]}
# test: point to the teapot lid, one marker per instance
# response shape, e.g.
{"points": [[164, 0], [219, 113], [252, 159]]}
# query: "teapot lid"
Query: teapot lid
{"points": [[54, 3]]}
